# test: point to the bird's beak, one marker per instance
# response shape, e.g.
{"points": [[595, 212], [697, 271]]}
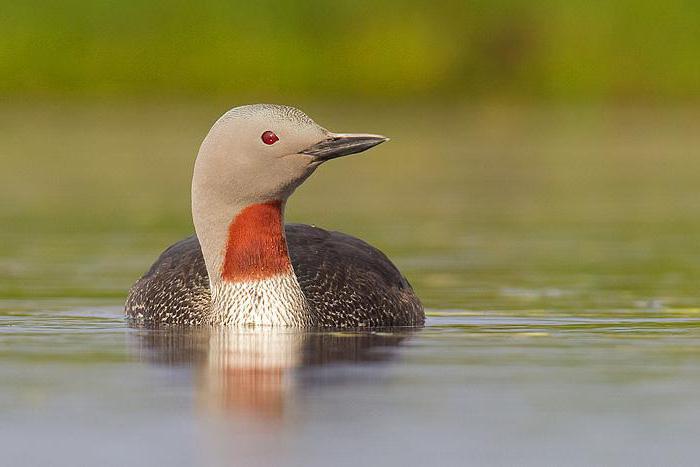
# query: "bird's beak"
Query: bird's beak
{"points": [[343, 144]]}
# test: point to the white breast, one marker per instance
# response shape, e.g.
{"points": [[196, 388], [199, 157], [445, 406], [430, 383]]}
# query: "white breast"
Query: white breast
{"points": [[275, 301]]}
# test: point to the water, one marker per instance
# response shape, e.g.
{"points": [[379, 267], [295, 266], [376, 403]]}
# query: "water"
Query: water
{"points": [[555, 250]]}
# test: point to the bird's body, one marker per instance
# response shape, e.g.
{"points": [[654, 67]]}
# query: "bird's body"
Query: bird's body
{"points": [[245, 266], [347, 282]]}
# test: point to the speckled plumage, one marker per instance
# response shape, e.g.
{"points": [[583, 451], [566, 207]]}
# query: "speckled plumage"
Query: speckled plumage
{"points": [[346, 283]]}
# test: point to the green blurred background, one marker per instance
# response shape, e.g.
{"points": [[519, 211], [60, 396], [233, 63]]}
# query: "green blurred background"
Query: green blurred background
{"points": [[553, 49]]}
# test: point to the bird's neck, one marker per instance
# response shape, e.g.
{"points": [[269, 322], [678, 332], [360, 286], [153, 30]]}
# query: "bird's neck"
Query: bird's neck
{"points": [[256, 247], [250, 272]]}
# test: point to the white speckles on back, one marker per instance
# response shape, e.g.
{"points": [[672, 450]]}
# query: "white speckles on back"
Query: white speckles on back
{"points": [[276, 301]]}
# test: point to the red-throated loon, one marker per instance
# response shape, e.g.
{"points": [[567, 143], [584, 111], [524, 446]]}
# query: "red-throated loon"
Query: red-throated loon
{"points": [[245, 266]]}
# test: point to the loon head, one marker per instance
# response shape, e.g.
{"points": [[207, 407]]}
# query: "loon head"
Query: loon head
{"points": [[248, 165], [261, 153]]}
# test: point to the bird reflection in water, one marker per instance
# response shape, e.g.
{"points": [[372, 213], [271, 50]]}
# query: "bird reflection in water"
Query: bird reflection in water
{"points": [[255, 371]]}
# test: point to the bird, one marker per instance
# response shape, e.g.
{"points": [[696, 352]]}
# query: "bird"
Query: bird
{"points": [[244, 266]]}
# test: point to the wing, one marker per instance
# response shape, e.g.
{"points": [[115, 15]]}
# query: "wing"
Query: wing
{"points": [[349, 282], [175, 290]]}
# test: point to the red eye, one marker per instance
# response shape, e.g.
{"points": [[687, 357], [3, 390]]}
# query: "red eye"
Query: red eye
{"points": [[269, 137]]}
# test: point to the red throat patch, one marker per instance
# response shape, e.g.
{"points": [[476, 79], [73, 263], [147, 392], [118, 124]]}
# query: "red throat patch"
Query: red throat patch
{"points": [[256, 248]]}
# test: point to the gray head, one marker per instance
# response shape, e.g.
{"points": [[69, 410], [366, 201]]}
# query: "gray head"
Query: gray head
{"points": [[259, 153]]}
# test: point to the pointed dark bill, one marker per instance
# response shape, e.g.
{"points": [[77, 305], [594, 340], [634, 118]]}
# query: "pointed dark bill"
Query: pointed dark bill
{"points": [[338, 145]]}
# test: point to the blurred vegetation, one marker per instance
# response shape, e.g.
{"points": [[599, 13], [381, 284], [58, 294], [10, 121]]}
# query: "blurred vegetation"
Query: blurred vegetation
{"points": [[553, 49]]}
